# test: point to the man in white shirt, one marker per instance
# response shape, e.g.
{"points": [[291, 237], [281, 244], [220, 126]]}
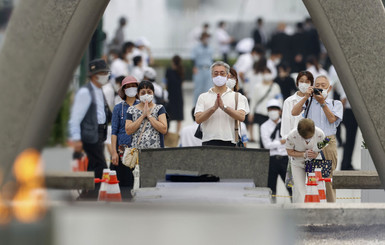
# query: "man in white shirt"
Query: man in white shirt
{"points": [[301, 145], [119, 67], [138, 71], [272, 140], [215, 109], [245, 62], [224, 40]]}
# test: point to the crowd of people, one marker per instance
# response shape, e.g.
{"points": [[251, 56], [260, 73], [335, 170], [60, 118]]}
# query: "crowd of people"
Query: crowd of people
{"points": [[279, 87]]}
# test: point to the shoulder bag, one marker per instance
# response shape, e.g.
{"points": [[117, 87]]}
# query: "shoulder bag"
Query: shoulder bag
{"points": [[131, 154], [237, 138]]}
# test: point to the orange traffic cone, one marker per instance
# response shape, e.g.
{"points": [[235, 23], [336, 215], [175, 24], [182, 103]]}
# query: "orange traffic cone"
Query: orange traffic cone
{"points": [[311, 189], [103, 187], [320, 184], [113, 190]]}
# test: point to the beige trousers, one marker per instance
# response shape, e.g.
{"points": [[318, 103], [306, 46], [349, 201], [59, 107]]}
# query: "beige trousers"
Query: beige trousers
{"points": [[299, 178], [330, 152]]}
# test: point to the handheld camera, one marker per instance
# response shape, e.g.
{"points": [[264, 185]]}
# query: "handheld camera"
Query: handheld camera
{"points": [[317, 91]]}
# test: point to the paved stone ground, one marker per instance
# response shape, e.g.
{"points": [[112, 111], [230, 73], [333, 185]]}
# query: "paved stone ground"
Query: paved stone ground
{"points": [[333, 234]]}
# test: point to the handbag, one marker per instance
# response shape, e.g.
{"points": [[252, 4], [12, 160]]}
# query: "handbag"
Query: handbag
{"points": [[198, 133], [323, 164], [238, 139], [131, 154]]}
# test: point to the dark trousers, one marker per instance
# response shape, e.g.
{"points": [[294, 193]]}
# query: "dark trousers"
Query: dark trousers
{"points": [[277, 166], [218, 143], [260, 119], [126, 179], [96, 163], [351, 132]]}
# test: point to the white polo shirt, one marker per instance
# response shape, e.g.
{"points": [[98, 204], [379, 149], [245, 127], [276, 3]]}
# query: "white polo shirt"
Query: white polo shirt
{"points": [[295, 142], [220, 126]]}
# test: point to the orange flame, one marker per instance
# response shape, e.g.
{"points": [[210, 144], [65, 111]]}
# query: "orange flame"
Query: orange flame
{"points": [[28, 203]]}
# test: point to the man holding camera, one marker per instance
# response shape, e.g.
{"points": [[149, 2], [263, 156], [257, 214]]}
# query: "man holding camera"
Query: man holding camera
{"points": [[327, 115]]}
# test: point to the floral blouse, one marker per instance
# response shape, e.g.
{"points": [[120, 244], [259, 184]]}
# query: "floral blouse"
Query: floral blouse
{"points": [[151, 138]]}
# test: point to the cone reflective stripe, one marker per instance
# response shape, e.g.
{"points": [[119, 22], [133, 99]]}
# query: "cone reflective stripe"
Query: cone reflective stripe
{"points": [[311, 189], [320, 184], [318, 173], [103, 187], [113, 190]]}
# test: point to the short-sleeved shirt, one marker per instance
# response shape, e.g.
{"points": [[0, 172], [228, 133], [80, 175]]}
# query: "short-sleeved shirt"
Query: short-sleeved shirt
{"points": [[295, 142], [317, 114], [220, 126], [289, 122], [118, 123], [151, 138]]}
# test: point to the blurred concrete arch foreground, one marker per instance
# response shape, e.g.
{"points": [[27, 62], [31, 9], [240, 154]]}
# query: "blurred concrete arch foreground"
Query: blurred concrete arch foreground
{"points": [[353, 33], [44, 42]]}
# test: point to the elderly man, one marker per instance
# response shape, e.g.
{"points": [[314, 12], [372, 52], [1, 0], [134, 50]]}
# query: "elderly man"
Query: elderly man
{"points": [[90, 116], [327, 115], [215, 109], [301, 145]]}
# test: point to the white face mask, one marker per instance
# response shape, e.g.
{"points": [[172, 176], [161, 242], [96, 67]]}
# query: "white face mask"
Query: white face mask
{"points": [[131, 92], [277, 61], [268, 77], [219, 81], [256, 58], [325, 92], [103, 79], [303, 87], [146, 97], [231, 83], [273, 115]]}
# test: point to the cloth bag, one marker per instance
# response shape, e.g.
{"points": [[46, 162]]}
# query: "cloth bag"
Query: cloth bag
{"points": [[324, 165], [131, 154]]}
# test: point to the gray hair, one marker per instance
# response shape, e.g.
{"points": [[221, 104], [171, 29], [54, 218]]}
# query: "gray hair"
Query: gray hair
{"points": [[322, 76], [220, 63]]}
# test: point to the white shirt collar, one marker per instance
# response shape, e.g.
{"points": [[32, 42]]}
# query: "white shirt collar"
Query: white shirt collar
{"points": [[227, 90]]}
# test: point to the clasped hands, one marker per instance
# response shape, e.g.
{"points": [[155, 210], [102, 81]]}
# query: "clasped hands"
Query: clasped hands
{"points": [[218, 103], [311, 154], [146, 110]]}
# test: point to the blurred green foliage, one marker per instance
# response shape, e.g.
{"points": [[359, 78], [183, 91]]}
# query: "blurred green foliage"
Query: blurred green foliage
{"points": [[59, 130]]}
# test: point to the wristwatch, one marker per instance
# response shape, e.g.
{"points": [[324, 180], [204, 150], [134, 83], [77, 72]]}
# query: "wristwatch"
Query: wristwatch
{"points": [[225, 107], [150, 116], [322, 105]]}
